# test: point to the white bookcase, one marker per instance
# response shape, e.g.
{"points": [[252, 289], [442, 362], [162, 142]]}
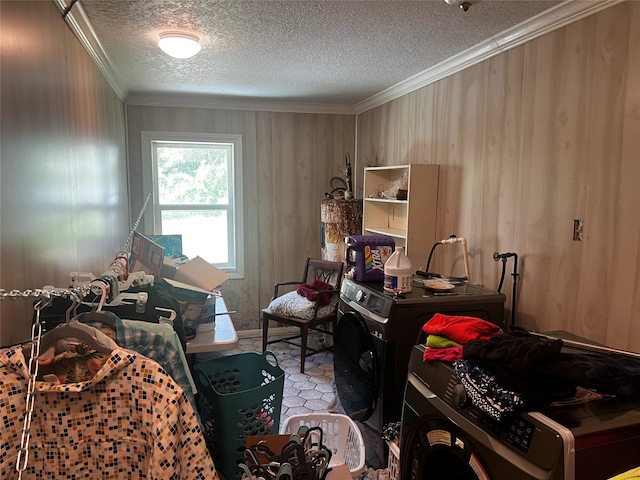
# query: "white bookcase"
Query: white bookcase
{"points": [[411, 222]]}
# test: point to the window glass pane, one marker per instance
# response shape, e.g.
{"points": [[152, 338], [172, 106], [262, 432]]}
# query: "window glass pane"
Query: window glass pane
{"points": [[196, 180], [193, 174], [204, 233]]}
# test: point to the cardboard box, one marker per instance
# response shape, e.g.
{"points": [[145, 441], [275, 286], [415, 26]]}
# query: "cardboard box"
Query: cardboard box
{"points": [[201, 274], [192, 284], [274, 442], [192, 300], [168, 269], [187, 292], [339, 472]]}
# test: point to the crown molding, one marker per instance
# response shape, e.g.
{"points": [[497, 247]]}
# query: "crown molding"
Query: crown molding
{"points": [[556, 17], [80, 25], [229, 103]]}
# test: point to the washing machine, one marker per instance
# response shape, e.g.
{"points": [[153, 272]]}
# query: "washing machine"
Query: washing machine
{"points": [[445, 437], [374, 336]]}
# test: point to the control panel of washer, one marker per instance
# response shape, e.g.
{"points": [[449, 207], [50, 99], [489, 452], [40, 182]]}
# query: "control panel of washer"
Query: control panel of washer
{"points": [[366, 298], [376, 304], [517, 432]]}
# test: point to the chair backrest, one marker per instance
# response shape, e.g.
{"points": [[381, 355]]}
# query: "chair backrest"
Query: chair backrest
{"points": [[324, 270]]}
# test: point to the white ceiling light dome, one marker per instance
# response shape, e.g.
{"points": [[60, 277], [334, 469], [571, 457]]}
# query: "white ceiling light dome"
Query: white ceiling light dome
{"points": [[179, 44]]}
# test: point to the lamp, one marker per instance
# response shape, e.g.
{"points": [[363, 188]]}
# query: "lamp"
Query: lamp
{"points": [[463, 4], [179, 45]]}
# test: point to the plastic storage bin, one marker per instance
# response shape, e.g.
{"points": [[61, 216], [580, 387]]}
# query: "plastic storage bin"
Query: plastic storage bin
{"points": [[238, 396], [341, 435]]}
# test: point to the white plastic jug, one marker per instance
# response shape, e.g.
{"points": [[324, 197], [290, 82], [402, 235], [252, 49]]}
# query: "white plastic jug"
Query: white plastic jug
{"points": [[398, 272]]}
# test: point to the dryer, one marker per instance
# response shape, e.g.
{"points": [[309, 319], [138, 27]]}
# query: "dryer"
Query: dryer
{"points": [[445, 437]]}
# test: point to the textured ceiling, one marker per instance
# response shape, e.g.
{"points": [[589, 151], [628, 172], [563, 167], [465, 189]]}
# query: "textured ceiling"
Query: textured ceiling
{"points": [[333, 52]]}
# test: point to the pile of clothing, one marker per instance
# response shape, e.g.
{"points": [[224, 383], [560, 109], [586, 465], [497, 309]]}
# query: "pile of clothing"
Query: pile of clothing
{"points": [[448, 333], [505, 373]]}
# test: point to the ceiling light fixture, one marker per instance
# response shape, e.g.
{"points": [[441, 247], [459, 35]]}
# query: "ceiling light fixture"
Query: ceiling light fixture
{"points": [[463, 4], [179, 45]]}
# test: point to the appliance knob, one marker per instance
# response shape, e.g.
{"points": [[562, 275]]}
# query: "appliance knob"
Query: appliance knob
{"points": [[460, 398], [360, 296]]}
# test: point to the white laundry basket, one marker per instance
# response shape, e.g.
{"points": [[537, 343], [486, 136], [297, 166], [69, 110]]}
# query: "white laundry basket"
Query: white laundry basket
{"points": [[394, 460], [340, 435]]}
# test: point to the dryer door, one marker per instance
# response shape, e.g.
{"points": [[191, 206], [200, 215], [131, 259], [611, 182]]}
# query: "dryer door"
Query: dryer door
{"points": [[436, 448], [356, 366]]}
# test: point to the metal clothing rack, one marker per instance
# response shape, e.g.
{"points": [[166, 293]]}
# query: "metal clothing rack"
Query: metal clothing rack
{"points": [[118, 268], [127, 246], [120, 265], [45, 296]]}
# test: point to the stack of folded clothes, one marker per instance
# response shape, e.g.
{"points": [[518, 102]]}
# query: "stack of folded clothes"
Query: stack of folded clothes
{"points": [[447, 334]]}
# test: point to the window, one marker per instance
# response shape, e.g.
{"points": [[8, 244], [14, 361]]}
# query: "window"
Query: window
{"points": [[196, 180]]}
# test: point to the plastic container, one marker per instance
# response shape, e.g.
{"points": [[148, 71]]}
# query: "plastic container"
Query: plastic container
{"points": [[398, 273], [340, 434], [238, 396], [367, 254], [394, 460]]}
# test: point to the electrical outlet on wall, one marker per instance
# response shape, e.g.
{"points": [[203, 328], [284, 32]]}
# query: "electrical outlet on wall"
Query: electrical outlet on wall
{"points": [[577, 230]]}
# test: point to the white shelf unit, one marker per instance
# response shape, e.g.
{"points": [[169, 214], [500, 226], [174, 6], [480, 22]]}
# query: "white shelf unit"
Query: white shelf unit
{"points": [[411, 222]]}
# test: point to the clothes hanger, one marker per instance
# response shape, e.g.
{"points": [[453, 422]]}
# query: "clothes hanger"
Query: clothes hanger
{"points": [[96, 315], [101, 337], [172, 314], [95, 332], [140, 300], [70, 330]]}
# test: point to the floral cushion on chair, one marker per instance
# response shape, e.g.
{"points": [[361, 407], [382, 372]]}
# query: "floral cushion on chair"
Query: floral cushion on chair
{"points": [[293, 304]]}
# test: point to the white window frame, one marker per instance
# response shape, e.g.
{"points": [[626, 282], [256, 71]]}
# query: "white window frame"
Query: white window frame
{"points": [[150, 184]]}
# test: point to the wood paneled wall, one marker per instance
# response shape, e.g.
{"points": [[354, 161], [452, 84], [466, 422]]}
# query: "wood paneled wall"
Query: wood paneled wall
{"points": [[64, 204], [528, 141], [289, 159]]}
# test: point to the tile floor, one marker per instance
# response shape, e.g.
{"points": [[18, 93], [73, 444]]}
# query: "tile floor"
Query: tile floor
{"points": [[311, 391]]}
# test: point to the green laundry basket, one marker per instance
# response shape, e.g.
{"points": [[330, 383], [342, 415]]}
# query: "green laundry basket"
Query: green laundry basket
{"points": [[238, 396]]}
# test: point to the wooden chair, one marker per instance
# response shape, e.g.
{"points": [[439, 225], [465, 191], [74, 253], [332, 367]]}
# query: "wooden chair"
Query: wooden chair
{"points": [[314, 269]]}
